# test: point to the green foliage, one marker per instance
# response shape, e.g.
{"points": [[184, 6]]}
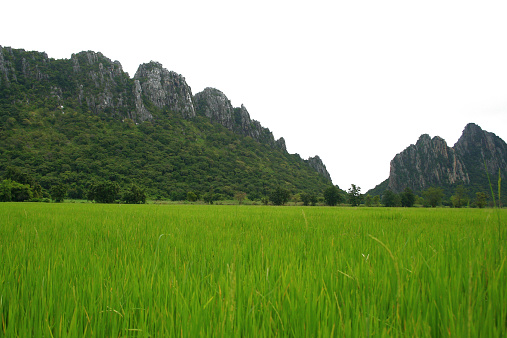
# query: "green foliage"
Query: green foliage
{"points": [[103, 192], [332, 195], [48, 129], [308, 199], [240, 196], [58, 192], [20, 192], [134, 195], [368, 200], [192, 196], [433, 196], [210, 197], [5, 191], [460, 198], [407, 198], [481, 199], [354, 195], [391, 199], [279, 196]]}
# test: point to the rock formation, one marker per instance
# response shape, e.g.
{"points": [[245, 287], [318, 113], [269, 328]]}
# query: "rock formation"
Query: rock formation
{"points": [[89, 82], [213, 104], [165, 89], [317, 164], [431, 162]]}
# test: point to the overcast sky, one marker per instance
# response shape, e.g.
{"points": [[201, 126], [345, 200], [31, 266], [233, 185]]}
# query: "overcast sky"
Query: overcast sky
{"points": [[355, 82]]}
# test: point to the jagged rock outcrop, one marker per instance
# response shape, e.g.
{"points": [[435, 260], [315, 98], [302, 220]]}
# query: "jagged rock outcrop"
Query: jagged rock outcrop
{"points": [[88, 81], [430, 162], [213, 104], [476, 146], [165, 89], [317, 164]]}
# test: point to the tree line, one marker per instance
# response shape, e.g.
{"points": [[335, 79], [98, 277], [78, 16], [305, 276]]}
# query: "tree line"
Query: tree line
{"points": [[19, 186]]}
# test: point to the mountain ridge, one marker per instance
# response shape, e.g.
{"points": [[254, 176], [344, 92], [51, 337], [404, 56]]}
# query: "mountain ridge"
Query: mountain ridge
{"points": [[69, 101], [430, 162]]}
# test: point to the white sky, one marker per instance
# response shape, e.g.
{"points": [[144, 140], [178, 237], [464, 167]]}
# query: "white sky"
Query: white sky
{"points": [[355, 82]]}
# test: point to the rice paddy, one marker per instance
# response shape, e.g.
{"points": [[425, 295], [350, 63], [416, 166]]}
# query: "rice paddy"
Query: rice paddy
{"points": [[195, 270]]}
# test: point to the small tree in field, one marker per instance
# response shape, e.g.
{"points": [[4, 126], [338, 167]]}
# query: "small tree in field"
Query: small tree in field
{"points": [[354, 194], [279, 196], [192, 196], [103, 192], [460, 197], [390, 199], [433, 196], [407, 198], [58, 192], [134, 195], [481, 199], [332, 196], [240, 196]]}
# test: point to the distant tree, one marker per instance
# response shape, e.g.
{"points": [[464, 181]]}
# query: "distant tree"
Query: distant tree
{"points": [[5, 191], [192, 196], [58, 192], [279, 196], [391, 199], [368, 200], [332, 195], [134, 195], [433, 196], [460, 197], [376, 200], [481, 199], [354, 195], [209, 197], [308, 199], [240, 196], [103, 192], [20, 192], [265, 200], [407, 198]]}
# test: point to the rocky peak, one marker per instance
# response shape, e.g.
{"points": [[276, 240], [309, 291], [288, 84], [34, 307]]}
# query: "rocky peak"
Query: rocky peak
{"points": [[317, 164], [477, 146], [165, 89], [429, 162], [213, 104]]}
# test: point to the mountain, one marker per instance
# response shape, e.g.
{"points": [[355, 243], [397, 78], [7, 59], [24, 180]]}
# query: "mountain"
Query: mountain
{"points": [[432, 163], [84, 119]]}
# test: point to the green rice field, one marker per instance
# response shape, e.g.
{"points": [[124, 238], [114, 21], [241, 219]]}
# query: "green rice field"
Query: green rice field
{"points": [[82, 270]]}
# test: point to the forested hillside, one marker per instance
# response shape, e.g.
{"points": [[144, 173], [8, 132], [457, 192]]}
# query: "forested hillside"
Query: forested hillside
{"points": [[83, 120]]}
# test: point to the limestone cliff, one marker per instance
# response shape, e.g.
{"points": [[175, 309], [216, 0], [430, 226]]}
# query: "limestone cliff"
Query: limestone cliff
{"points": [[87, 81], [428, 163], [165, 88], [431, 162], [317, 164], [213, 104], [476, 146]]}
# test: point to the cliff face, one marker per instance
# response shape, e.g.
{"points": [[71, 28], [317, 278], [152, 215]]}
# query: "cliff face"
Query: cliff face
{"points": [[317, 164], [213, 104], [476, 146], [431, 162], [87, 81], [165, 89]]}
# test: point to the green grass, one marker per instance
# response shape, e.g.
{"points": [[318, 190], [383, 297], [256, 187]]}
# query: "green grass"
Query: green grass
{"points": [[195, 270]]}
